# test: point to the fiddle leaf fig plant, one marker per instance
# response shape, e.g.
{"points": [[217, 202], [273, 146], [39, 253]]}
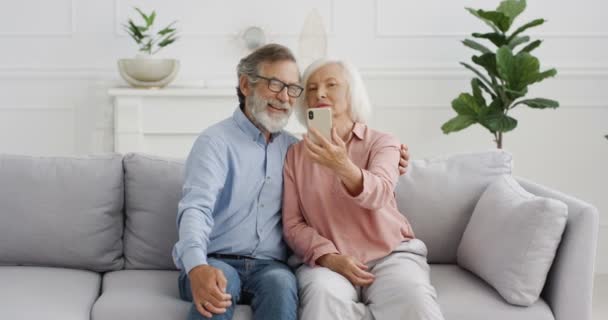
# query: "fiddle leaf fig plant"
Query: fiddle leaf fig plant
{"points": [[502, 74], [148, 40]]}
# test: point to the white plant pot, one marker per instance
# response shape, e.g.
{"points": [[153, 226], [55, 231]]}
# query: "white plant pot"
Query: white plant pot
{"points": [[148, 72]]}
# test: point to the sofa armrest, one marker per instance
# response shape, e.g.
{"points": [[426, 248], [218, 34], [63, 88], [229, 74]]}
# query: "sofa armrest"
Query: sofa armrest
{"points": [[569, 286]]}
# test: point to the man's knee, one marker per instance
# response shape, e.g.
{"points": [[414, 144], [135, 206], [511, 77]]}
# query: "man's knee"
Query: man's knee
{"points": [[280, 281]]}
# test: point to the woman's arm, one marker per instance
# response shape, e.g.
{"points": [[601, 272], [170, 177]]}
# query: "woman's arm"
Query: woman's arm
{"points": [[304, 240], [372, 187]]}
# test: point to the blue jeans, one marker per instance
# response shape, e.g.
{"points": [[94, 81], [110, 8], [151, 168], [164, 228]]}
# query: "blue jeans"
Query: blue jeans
{"points": [[269, 286]]}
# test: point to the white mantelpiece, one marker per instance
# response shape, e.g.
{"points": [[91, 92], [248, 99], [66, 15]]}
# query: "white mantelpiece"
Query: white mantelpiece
{"points": [[166, 122]]}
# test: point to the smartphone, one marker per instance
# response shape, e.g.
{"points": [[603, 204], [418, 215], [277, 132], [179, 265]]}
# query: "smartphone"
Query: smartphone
{"points": [[320, 119]]}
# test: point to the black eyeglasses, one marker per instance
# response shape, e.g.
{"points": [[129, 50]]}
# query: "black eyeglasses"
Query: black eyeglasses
{"points": [[276, 85]]}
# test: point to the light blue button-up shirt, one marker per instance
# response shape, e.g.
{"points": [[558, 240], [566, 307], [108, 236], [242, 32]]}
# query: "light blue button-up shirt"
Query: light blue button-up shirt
{"points": [[232, 193]]}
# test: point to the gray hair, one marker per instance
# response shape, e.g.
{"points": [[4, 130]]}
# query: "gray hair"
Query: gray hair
{"points": [[250, 65], [360, 106]]}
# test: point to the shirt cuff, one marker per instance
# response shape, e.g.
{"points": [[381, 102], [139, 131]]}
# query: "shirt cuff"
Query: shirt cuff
{"points": [[363, 194], [193, 257], [326, 249]]}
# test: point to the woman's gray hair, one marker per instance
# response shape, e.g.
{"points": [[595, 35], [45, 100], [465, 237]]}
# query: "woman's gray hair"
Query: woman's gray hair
{"points": [[360, 106]]}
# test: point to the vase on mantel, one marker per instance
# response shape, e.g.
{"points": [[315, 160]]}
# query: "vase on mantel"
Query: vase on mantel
{"points": [[146, 71]]}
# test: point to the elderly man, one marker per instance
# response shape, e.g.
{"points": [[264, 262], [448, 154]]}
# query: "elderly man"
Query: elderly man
{"points": [[230, 246]]}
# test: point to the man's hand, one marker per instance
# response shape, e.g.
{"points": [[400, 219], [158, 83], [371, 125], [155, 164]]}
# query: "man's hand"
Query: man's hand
{"points": [[404, 161], [349, 267], [208, 286]]}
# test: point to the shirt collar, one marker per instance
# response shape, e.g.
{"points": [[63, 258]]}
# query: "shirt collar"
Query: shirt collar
{"points": [[248, 127], [359, 130]]}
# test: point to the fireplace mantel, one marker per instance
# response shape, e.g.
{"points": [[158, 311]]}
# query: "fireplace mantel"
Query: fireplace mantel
{"points": [[166, 121]]}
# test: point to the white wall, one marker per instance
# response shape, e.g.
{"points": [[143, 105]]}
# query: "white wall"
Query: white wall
{"points": [[58, 60]]}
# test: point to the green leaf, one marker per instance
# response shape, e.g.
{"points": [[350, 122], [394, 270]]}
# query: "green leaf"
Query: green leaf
{"points": [[499, 19], [458, 123], [476, 46], [519, 71], [517, 41], [485, 88], [151, 18], [531, 46], [167, 29], [523, 28], [167, 41], [512, 8], [143, 15], [496, 38], [486, 21], [475, 85], [467, 105], [135, 30], [539, 103], [481, 76], [488, 62], [499, 122], [546, 74], [512, 94]]}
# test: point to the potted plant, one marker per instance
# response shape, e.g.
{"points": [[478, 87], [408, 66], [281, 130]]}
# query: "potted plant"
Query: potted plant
{"points": [[145, 70], [508, 72]]}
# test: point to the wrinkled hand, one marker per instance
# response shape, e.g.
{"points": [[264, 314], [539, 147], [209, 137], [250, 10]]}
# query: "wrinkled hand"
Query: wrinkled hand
{"points": [[331, 154], [349, 267], [404, 161], [209, 290]]}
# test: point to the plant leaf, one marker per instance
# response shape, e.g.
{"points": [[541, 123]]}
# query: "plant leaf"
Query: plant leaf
{"points": [[512, 8], [466, 105], [517, 41], [499, 19], [499, 122], [475, 85], [531, 46], [519, 71], [496, 38], [546, 74], [533, 23], [151, 18], [457, 123], [143, 15], [476, 46], [480, 75], [488, 62], [486, 21], [539, 103]]}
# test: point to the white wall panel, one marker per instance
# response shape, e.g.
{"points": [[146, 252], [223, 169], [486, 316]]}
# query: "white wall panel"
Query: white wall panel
{"points": [[58, 60]]}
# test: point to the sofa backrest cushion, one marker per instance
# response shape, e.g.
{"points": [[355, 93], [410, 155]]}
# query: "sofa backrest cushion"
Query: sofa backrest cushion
{"points": [[153, 189], [62, 211], [438, 195]]}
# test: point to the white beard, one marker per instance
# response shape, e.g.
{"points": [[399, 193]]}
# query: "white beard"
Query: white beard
{"points": [[257, 108]]}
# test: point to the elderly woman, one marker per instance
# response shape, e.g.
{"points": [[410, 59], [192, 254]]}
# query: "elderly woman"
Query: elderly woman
{"points": [[340, 216]]}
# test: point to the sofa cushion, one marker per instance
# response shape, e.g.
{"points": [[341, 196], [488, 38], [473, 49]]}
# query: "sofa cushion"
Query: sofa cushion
{"points": [[62, 211], [463, 296], [511, 240], [146, 294], [153, 189], [438, 196], [47, 293]]}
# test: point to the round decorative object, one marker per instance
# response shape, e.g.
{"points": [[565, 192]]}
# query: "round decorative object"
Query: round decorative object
{"points": [[254, 37], [148, 72]]}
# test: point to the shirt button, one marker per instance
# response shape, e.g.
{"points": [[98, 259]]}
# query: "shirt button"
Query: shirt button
{"points": [[262, 205]]}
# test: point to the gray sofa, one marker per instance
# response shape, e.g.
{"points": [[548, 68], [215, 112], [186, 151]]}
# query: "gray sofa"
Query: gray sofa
{"points": [[91, 237]]}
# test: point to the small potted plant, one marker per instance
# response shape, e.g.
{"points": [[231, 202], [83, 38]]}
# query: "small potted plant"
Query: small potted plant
{"points": [[147, 71]]}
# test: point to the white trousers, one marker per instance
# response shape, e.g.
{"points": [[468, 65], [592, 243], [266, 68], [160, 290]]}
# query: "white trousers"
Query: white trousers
{"points": [[401, 290]]}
